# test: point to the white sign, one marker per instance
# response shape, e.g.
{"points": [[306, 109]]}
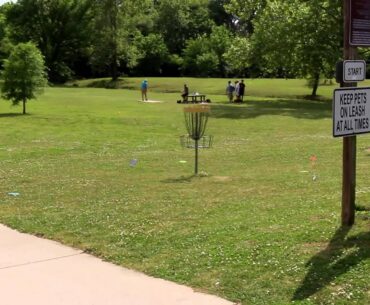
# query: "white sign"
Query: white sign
{"points": [[354, 71], [351, 111]]}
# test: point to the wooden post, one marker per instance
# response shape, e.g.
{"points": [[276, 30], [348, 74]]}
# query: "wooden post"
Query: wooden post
{"points": [[349, 143], [197, 135]]}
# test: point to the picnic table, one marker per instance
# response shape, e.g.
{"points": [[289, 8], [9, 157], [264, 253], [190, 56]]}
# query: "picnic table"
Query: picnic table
{"points": [[196, 98]]}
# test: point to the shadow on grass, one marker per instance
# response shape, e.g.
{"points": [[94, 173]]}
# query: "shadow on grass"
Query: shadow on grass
{"points": [[182, 179], [362, 208], [340, 256], [302, 109], [10, 115]]}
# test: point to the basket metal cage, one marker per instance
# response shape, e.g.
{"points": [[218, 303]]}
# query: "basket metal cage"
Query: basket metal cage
{"points": [[204, 142]]}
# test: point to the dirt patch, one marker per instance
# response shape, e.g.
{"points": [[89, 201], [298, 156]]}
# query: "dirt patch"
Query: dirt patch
{"points": [[150, 101], [222, 178]]}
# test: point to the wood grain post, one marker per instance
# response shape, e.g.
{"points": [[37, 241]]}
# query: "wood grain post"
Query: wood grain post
{"points": [[349, 143]]}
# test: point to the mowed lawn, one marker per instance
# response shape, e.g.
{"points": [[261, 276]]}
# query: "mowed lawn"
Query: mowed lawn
{"points": [[260, 225]]}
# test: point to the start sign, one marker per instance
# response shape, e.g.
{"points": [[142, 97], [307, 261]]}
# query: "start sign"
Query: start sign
{"points": [[351, 111], [354, 71]]}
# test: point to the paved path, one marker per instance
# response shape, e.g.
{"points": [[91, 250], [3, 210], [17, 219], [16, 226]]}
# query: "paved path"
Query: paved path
{"points": [[35, 271]]}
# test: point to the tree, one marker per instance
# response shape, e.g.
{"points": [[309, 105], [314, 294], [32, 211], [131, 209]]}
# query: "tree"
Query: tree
{"points": [[5, 44], [244, 13], [295, 38], [117, 35], [205, 54], [60, 28], [197, 56], [181, 20], [155, 54], [219, 14], [24, 74], [238, 56], [312, 46], [207, 64], [220, 41]]}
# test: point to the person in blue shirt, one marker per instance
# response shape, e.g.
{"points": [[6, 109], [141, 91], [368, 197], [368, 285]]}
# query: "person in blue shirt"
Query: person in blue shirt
{"points": [[230, 89], [144, 90]]}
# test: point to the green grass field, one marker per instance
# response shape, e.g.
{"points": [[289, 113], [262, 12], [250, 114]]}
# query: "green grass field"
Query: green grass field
{"points": [[254, 227]]}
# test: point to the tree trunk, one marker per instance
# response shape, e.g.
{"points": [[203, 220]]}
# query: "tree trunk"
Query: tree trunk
{"points": [[114, 29], [315, 85], [114, 63], [24, 106], [114, 69]]}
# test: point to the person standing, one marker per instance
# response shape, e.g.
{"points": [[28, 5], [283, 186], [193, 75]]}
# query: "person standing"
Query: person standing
{"points": [[241, 89], [237, 95], [230, 91], [144, 90], [185, 94]]}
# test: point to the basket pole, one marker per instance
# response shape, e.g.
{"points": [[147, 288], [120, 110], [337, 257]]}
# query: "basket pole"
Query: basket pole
{"points": [[196, 157], [195, 121]]}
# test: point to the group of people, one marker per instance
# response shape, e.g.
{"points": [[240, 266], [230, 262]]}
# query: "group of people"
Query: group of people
{"points": [[236, 92]]}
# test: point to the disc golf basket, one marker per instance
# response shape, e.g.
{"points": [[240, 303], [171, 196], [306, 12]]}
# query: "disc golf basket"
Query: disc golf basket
{"points": [[196, 118], [204, 142]]}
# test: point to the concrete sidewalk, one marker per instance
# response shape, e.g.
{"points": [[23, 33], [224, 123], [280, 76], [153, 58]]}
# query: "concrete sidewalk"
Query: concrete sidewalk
{"points": [[35, 271]]}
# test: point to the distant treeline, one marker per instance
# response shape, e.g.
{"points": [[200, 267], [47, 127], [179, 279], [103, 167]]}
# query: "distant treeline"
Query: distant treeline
{"points": [[218, 38]]}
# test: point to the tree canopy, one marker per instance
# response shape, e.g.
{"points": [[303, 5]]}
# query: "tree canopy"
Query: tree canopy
{"points": [[298, 38], [60, 29], [24, 74], [89, 38]]}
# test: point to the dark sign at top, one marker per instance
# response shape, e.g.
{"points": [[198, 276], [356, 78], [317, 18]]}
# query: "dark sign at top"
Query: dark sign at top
{"points": [[360, 23]]}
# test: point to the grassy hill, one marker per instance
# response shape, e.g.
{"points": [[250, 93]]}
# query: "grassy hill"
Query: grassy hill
{"points": [[260, 225], [214, 86]]}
